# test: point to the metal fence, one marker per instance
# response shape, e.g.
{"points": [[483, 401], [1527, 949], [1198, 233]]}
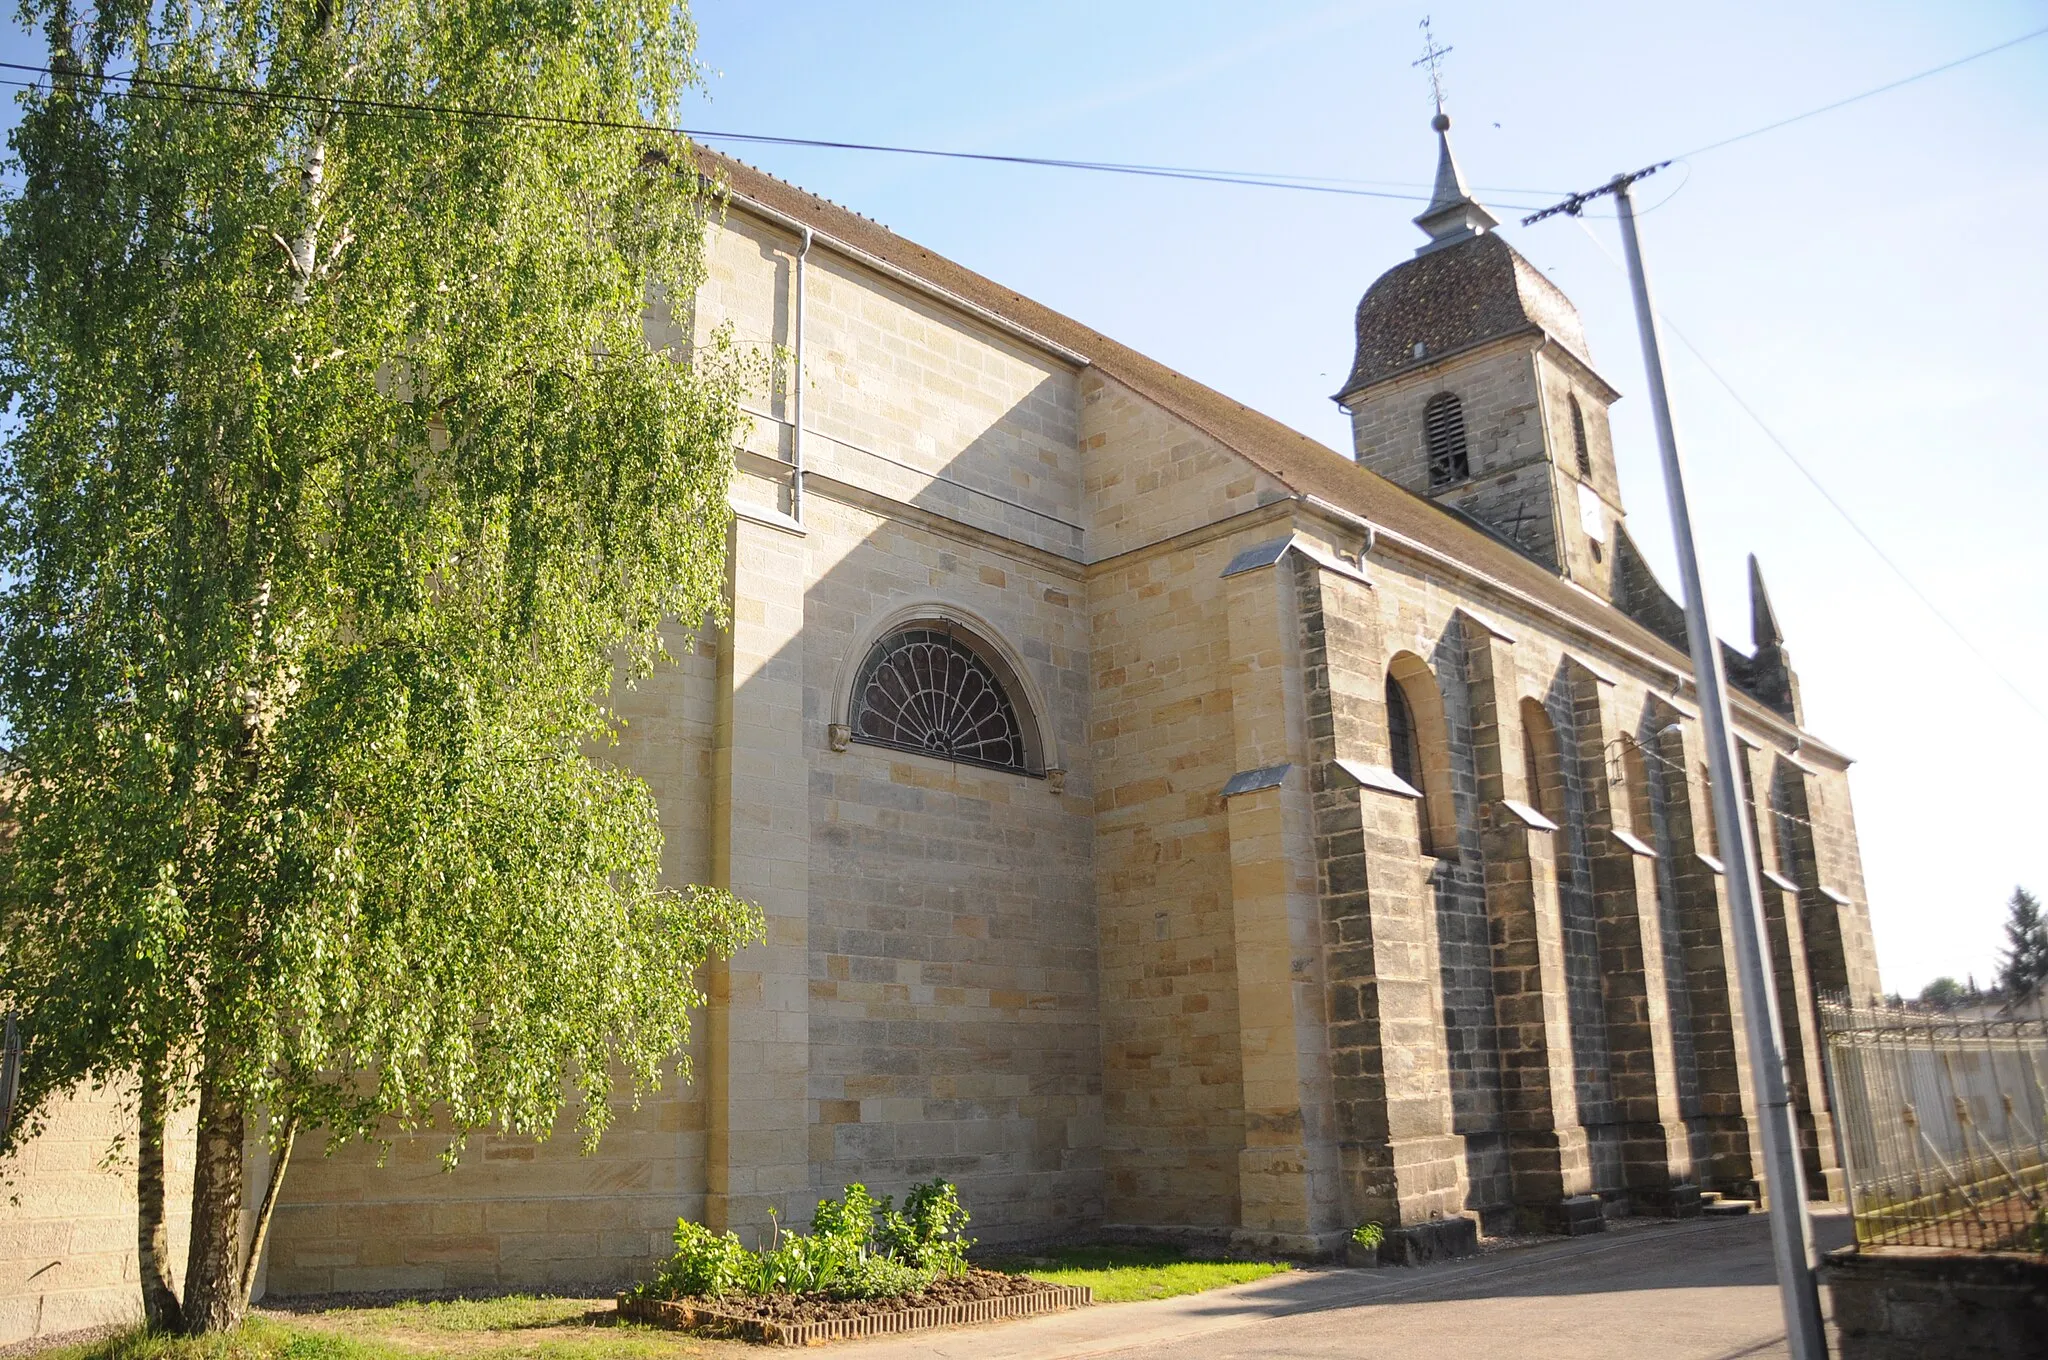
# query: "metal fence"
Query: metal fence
{"points": [[1944, 1127]]}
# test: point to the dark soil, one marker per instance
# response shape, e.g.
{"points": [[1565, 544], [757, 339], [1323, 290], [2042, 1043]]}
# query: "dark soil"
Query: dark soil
{"points": [[972, 1287]]}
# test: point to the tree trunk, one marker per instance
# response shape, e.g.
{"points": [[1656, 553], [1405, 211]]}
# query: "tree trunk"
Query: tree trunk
{"points": [[152, 1235], [280, 1158], [214, 1300]]}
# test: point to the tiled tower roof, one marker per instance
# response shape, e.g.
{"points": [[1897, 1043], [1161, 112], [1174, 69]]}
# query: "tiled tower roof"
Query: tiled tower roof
{"points": [[1454, 298]]}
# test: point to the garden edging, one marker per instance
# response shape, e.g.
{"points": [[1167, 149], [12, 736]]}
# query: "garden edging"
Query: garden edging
{"points": [[685, 1314]]}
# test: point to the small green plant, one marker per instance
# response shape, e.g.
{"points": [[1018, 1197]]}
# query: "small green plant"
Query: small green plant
{"points": [[879, 1277], [859, 1247], [796, 1264], [1369, 1236], [927, 1233], [705, 1264]]}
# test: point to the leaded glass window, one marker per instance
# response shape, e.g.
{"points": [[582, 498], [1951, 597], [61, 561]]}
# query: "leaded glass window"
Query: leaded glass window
{"points": [[1401, 735], [1443, 429], [925, 690]]}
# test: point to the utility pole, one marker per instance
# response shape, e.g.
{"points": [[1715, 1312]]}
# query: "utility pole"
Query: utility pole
{"points": [[1791, 1233]]}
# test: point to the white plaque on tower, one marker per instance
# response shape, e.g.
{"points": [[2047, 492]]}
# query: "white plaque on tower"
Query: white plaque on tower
{"points": [[1591, 514]]}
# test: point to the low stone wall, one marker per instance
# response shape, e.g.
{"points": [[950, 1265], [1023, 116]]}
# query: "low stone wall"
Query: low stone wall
{"points": [[1906, 1303]]}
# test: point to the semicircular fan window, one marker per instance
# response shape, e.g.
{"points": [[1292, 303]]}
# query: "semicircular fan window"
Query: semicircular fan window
{"points": [[924, 690]]}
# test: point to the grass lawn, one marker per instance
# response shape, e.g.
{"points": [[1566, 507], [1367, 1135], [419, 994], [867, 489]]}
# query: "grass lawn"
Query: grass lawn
{"points": [[1130, 1274], [524, 1327], [518, 1327]]}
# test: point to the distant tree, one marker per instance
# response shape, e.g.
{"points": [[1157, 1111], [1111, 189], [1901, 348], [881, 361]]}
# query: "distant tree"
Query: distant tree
{"points": [[2024, 965], [1944, 992], [340, 482]]}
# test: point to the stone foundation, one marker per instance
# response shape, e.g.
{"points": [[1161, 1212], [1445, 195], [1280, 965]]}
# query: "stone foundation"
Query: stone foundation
{"points": [[1445, 1239], [1904, 1303], [1575, 1216], [1676, 1201]]}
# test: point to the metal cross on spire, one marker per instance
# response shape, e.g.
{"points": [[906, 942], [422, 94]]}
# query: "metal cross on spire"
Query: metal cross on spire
{"points": [[1432, 57]]}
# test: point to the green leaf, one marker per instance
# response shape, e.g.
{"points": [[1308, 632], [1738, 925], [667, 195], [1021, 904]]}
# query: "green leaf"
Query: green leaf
{"points": [[341, 485]]}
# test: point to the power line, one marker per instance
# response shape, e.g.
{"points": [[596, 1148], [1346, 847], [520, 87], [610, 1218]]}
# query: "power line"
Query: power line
{"points": [[245, 96], [1826, 494], [205, 94], [237, 96], [1858, 98]]}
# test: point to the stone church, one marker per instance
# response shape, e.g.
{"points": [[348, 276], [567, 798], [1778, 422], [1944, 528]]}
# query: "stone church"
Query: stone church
{"points": [[1164, 823]]}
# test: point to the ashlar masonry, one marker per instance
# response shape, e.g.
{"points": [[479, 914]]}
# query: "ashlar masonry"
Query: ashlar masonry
{"points": [[1164, 823]]}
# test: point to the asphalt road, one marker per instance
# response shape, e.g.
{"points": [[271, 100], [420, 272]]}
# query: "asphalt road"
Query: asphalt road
{"points": [[1699, 1290]]}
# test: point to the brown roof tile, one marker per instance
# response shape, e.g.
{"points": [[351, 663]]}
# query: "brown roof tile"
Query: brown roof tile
{"points": [[1452, 299], [1293, 458]]}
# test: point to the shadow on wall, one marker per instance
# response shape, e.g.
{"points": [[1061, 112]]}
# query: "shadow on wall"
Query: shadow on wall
{"points": [[926, 1005]]}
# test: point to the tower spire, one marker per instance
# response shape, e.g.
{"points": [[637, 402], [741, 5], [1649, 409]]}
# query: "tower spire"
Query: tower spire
{"points": [[1777, 684], [1453, 215], [1763, 621]]}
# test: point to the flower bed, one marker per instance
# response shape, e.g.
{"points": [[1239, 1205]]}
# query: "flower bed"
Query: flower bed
{"points": [[864, 1269], [802, 1319]]}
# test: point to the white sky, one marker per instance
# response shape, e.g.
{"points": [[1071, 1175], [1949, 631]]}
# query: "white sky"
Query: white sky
{"points": [[1871, 281]]}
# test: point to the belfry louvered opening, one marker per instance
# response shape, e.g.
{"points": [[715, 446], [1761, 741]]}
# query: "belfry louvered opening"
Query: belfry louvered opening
{"points": [[1443, 429]]}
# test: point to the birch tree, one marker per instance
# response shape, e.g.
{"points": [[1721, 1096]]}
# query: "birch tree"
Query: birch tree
{"points": [[341, 486]]}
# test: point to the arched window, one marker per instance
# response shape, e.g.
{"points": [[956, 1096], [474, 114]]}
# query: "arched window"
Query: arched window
{"points": [[1443, 429], [925, 689], [1532, 766], [1401, 735], [1418, 750], [1579, 438], [1542, 766]]}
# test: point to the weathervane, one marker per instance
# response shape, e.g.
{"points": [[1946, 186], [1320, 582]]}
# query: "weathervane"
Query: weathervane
{"points": [[1432, 57]]}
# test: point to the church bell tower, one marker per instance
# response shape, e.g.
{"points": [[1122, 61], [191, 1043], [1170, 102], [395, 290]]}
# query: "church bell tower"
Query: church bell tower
{"points": [[1473, 386]]}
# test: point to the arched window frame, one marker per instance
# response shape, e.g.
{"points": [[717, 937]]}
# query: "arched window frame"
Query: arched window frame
{"points": [[1443, 433], [1437, 814], [1041, 756], [1579, 445], [1542, 761]]}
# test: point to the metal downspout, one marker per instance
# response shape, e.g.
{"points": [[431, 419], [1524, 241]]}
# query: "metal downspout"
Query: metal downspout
{"points": [[796, 403]]}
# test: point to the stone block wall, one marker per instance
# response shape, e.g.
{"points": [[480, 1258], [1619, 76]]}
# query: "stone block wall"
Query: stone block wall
{"points": [[516, 1213], [953, 947], [1903, 1303], [1162, 748], [1835, 906], [903, 397], [67, 1218], [1567, 797], [1402, 1163], [513, 1214], [1147, 476], [1587, 558], [1417, 616], [1512, 483], [1115, 997]]}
